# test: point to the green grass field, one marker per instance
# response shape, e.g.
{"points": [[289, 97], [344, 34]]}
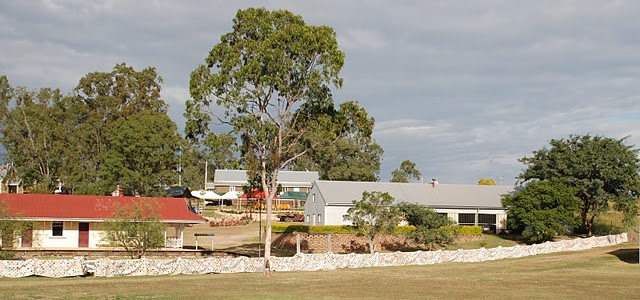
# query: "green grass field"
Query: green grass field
{"points": [[601, 273]]}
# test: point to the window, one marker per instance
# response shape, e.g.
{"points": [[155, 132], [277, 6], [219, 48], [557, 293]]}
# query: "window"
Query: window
{"points": [[313, 198], [466, 219], [307, 219], [488, 222], [486, 219], [232, 189], [319, 218], [56, 229]]}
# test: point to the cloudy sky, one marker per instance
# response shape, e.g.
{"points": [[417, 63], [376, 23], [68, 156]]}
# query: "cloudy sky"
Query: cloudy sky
{"points": [[461, 88]]}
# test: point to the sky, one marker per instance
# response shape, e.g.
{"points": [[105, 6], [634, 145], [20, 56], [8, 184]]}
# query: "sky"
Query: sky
{"points": [[461, 88]]}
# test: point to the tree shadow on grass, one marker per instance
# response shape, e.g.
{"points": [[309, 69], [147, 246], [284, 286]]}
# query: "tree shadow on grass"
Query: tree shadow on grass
{"points": [[514, 237], [628, 255], [255, 250]]}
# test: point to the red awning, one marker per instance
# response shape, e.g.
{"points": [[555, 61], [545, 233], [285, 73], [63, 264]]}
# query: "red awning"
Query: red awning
{"points": [[255, 194]]}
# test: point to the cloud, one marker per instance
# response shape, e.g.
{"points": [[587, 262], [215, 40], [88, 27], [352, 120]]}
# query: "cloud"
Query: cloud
{"points": [[364, 39], [463, 89]]}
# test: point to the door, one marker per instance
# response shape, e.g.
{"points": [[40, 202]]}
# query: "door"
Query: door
{"points": [[27, 238], [83, 235]]}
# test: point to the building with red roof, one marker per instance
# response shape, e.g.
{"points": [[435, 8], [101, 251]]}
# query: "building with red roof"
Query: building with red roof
{"points": [[75, 221]]}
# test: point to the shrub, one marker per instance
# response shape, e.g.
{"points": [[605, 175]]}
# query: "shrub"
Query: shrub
{"points": [[432, 237], [338, 229], [470, 230]]}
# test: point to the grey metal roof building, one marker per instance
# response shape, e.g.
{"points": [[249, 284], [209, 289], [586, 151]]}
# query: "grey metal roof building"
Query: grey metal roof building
{"points": [[328, 201], [285, 178]]}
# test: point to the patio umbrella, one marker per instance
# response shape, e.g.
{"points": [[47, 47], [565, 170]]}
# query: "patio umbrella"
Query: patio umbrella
{"points": [[206, 195]]}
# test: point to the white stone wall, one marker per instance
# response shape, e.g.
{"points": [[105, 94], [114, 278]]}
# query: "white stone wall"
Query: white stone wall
{"points": [[301, 262], [329, 261]]}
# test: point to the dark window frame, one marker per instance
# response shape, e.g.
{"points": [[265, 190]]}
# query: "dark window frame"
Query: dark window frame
{"points": [[57, 228]]}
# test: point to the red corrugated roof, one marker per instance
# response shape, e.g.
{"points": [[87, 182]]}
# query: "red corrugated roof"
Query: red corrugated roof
{"points": [[81, 207]]}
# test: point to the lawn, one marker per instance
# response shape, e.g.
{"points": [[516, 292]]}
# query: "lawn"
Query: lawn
{"points": [[602, 273]]}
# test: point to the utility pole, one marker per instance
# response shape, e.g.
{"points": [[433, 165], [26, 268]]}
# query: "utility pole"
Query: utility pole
{"points": [[206, 167]]}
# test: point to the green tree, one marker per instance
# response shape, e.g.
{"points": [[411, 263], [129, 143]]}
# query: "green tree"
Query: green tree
{"points": [[406, 172], [191, 160], [135, 227], [32, 130], [603, 171], [51, 137], [545, 207], [486, 181], [258, 76], [11, 228], [353, 157], [373, 215], [432, 229], [141, 153], [102, 100]]}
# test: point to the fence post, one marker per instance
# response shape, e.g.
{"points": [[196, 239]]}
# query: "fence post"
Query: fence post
{"points": [[297, 242], [329, 242]]}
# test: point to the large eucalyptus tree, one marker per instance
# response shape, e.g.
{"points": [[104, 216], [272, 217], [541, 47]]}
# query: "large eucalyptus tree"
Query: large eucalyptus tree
{"points": [[257, 79]]}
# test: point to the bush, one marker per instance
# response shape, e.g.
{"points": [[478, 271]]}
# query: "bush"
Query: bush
{"points": [[287, 228], [470, 230], [338, 229], [432, 237], [345, 229]]}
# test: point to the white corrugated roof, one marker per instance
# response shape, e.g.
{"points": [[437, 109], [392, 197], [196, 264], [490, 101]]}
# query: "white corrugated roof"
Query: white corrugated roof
{"points": [[285, 178]]}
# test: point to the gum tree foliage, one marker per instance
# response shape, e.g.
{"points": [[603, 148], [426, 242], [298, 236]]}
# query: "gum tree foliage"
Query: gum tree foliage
{"points": [[135, 227], [11, 228], [546, 208], [32, 130], [256, 80], [72, 139], [218, 150], [141, 153], [372, 215], [603, 172], [353, 157], [432, 229], [406, 172], [123, 98], [486, 181]]}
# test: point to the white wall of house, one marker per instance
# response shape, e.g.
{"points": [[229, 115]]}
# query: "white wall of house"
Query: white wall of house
{"points": [[335, 215], [42, 235], [453, 213], [319, 214]]}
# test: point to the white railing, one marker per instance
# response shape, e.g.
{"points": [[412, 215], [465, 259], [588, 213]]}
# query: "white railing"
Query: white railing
{"points": [[173, 242]]}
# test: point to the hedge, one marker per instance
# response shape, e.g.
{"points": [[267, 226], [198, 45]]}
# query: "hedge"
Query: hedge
{"points": [[345, 229], [470, 230]]}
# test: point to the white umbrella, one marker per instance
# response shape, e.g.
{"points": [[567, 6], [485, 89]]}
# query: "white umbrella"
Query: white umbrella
{"points": [[230, 195], [206, 195]]}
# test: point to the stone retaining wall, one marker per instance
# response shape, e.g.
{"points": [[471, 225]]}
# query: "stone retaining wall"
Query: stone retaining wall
{"points": [[106, 267], [346, 243]]}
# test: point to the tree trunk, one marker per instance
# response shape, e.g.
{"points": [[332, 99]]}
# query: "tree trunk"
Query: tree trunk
{"points": [[267, 237], [372, 245], [585, 219]]}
